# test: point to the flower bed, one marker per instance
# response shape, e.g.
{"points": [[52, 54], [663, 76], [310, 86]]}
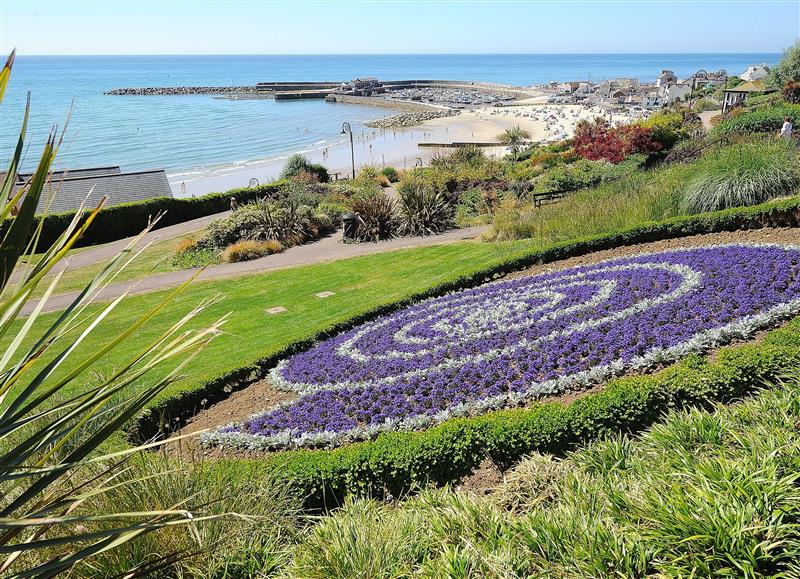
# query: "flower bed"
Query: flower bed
{"points": [[505, 343]]}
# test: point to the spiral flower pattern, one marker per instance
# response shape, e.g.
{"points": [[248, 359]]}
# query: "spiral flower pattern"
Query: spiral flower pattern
{"points": [[507, 342]]}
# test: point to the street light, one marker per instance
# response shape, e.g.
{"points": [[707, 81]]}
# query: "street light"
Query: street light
{"points": [[347, 130]]}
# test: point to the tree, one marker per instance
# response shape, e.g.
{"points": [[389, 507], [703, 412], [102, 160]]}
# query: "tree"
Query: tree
{"points": [[787, 70], [514, 137]]}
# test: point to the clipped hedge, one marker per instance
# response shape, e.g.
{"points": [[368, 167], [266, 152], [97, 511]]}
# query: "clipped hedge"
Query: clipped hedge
{"points": [[128, 219], [395, 463]]}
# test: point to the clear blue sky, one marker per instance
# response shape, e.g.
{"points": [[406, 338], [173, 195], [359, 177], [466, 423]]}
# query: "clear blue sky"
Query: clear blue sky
{"points": [[395, 26]]}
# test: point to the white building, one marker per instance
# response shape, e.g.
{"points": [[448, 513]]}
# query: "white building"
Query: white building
{"points": [[755, 72], [673, 92], [666, 78]]}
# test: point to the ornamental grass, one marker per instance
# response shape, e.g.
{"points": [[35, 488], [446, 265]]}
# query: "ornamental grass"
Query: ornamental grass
{"points": [[741, 175], [702, 494]]}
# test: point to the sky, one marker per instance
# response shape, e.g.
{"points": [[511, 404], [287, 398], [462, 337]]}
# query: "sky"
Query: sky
{"points": [[396, 26]]}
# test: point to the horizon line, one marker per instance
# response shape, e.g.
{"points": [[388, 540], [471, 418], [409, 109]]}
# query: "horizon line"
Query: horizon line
{"points": [[399, 53]]}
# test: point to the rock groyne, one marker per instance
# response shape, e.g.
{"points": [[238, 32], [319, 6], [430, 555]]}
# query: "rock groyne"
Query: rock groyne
{"points": [[410, 119]]}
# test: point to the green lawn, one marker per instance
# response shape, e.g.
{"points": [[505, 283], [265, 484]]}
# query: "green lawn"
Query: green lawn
{"points": [[360, 284], [154, 259]]}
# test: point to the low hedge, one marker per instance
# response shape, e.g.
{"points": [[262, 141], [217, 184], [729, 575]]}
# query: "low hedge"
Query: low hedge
{"points": [[395, 463], [128, 219], [171, 413]]}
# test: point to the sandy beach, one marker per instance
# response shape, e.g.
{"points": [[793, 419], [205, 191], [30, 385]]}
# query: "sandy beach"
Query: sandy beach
{"points": [[399, 147]]}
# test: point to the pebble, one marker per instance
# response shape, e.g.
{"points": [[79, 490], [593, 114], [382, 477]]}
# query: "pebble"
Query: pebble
{"points": [[409, 119]]}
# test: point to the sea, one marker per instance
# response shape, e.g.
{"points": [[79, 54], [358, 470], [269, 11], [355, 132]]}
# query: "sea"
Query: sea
{"points": [[190, 135]]}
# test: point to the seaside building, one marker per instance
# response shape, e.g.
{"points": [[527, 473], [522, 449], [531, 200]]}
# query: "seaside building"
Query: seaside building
{"points": [[755, 72], [666, 78], [69, 189], [737, 95]]}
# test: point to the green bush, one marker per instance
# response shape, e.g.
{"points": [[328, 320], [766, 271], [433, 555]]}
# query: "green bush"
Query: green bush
{"points": [[582, 173], [788, 69], [706, 104], [670, 127], [297, 164], [766, 120], [391, 174], [744, 174]]}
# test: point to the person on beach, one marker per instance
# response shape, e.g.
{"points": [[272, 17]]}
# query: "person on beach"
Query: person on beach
{"points": [[786, 129]]}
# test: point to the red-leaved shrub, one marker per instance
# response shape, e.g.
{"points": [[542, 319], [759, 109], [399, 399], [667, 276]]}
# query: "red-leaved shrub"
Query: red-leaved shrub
{"points": [[598, 140]]}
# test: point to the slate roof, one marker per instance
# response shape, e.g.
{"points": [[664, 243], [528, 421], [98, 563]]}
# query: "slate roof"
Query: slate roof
{"points": [[749, 86], [119, 187], [75, 173]]}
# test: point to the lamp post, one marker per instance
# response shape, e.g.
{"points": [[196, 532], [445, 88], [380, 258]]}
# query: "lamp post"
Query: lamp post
{"points": [[347, 130]]}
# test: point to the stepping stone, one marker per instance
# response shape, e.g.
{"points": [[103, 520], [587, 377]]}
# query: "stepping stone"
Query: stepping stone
{"points": [[325, 294], [277, 310]]}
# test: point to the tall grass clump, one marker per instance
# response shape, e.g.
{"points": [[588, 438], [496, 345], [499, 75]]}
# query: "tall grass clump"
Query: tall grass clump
{"points": [[743, 174], [706, 493]]}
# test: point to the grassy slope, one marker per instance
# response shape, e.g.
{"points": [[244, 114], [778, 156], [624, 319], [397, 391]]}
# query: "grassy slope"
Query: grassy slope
{"points": [[360, 284], [701, 494]]}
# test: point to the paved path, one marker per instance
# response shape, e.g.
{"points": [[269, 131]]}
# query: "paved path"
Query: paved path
{"points": [[327, 249], [106, 251]]}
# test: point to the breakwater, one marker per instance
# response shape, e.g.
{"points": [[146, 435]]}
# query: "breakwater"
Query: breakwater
{"points": [[180, 90]]}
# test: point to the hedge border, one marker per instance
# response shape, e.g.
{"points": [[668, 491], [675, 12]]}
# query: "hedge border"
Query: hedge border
{"points": [[129, 219], [173, 412], [398, 462]]}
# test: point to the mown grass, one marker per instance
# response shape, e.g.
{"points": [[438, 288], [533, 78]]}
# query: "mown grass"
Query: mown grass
{"points": [[703, 494], [360, 284]]}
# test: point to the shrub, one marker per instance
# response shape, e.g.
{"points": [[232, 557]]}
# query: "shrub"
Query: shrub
{"points": [[186, 244], [598, 140], [469, 207], [297, 164], [706, 104], [791, 92], [248, 249], [744, 174], [334, 210], [229, 229], [376, 217], [577, 175], [669, 127], [788, 69], [424, 211], [391, 174], [767, 120]]}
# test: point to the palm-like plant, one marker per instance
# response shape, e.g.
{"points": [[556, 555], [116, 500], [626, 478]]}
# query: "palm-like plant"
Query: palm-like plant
{"points": [[514, 138], [53, 456]]}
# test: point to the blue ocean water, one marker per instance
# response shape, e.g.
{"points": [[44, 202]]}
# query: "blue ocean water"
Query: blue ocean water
{"points": [[186, 133]]}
